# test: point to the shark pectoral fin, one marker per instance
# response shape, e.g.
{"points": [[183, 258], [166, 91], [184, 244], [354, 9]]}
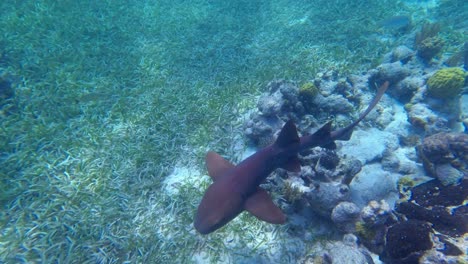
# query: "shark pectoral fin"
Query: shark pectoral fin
{"points": [[288, 135], [216, 165], [261, 206], [292, 165]]}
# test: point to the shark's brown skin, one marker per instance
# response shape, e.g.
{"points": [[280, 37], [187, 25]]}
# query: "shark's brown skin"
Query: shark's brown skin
{"points": [[236, 188]]}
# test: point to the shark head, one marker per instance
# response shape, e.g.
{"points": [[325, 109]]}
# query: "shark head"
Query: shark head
{"points": [[218, 206], [227, 197]]}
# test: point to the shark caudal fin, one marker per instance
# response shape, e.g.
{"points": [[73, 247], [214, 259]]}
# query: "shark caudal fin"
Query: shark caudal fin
{"points": [[287, 137], [345, 133], [261, 206]]}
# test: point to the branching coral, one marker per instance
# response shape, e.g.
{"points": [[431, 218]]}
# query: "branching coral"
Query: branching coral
{"points": [[427, 42]]}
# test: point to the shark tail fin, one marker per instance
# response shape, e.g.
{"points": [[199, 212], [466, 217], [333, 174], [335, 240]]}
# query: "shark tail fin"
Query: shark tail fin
{"points": [[346, 132], [378, 96]]}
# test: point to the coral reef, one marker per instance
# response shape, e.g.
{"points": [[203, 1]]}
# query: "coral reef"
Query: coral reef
{"points": [[427, 42], [326, 196], [446, 83], [444, 156], [409, 247], [422, 117], [365, 232], [347, 192], [430, 47], [372, 225], [429, 202], [284, 101], [345, 215], [407, 88], [393, 72], [307, 92], [401, 53], [431, 108], [436, 224], [405, 183], [373, 183], [346, 251], [279, 104], [323, 182], [383, 163], [375, 213]]}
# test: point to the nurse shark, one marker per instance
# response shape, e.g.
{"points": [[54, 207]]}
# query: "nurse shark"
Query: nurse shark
{"points": [[236, 188]]}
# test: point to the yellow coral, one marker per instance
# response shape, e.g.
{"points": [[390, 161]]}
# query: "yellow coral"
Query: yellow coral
{"points": [[406, 182], [446, 83], [309, 88], [364, 231], [291, 193], [307, 93]]}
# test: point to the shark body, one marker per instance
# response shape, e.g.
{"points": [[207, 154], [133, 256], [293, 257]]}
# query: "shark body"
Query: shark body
{"points": [[236, 188]]}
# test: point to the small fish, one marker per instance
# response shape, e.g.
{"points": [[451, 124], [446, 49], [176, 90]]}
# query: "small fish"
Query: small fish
{"points": [[236, 188], [397, 23]]}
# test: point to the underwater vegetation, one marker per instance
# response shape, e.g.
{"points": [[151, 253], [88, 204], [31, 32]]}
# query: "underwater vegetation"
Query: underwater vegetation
{"points": [[427, 41], [397, 23]]}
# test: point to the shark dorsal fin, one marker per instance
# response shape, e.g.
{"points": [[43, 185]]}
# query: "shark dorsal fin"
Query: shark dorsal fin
{"points": [[216, 165], [288, 135], [324, 131], [261, 206]]}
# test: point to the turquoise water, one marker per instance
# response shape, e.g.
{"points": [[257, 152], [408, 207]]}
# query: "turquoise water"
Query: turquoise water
{"points": [[101, 100]]}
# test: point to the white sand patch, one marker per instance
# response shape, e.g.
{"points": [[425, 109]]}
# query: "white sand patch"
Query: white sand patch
{"points": [[190, 175], [400, 124]]}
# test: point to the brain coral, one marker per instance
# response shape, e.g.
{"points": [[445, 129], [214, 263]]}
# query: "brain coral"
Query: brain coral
{"points": [[446, 83]]}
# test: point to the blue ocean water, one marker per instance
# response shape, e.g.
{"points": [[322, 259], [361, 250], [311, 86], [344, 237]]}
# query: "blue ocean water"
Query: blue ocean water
{"points": [[108, 108]]}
